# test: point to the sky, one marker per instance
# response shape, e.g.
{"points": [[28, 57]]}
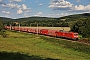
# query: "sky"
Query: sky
{"points": [[43, 8]]}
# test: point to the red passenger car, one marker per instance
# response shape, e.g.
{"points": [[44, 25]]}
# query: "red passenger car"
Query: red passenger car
{"points": [[23, 29], [52, 32], [7, 27], [44, 31], [28, 29], [13, 28], [31, 30], [38, 31], [17, 28]]}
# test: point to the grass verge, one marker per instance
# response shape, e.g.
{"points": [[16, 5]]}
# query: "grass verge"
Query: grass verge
{"points": [[45, 48]]}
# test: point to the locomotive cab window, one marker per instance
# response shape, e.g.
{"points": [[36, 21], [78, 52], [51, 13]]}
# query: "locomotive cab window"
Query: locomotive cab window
{"points": [[75, 34]]}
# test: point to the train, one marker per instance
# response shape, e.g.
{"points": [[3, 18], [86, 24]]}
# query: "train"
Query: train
{"points": [[48, 32]]}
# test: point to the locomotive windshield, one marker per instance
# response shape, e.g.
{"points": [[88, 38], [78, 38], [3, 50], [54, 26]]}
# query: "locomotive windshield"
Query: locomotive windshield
{"points": [[75, 34]]}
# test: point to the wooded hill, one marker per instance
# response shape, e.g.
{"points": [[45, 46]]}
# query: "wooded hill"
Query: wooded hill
{"points": [[45, 21]]}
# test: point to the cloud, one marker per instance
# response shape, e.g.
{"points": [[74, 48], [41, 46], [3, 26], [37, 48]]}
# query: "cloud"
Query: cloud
{"points": [[51, 14], [87, 7], [15, 0], [11, 5], [26, 15], [2, 2], [17, 5], [39, 14], [19, 11], [60, 5], [78, 0], [65, 5], [40, 4], [81, 8], [20, 8], [36, 0], [56, 15], [14, 6], [5, 12], [23, 9]]}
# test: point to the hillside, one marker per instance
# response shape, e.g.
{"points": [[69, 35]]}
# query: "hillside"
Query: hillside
{"points": [[4, 19], [76, 16], [45, 21], [23, 19]]}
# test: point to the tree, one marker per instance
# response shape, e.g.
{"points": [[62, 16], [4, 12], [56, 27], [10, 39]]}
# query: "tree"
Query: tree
{"points": [[2, 31], [82, 26]]}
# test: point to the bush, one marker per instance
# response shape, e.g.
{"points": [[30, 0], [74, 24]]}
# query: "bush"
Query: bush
{"points": [[2, 31], [85, 40]]}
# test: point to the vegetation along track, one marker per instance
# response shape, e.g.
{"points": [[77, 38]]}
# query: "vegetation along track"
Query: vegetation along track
{"points": [[58, 38], [43, 46]]}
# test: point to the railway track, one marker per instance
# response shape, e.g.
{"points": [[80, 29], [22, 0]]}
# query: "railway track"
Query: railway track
{"points": [[78, 41]]}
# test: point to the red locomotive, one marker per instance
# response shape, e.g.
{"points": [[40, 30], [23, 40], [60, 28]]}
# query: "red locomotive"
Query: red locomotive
{"points": [[55, 33]]}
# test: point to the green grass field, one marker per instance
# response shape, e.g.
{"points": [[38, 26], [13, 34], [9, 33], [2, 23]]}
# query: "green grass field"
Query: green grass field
{"points": [[23, 46]]}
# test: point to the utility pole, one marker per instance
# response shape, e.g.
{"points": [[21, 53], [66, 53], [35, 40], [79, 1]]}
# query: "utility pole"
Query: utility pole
{"points": [[19, 27], [37, 29], [10, 26]]}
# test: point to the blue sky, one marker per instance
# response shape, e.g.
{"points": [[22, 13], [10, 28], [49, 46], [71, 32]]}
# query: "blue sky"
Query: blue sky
{"points": [[43, 8]]}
